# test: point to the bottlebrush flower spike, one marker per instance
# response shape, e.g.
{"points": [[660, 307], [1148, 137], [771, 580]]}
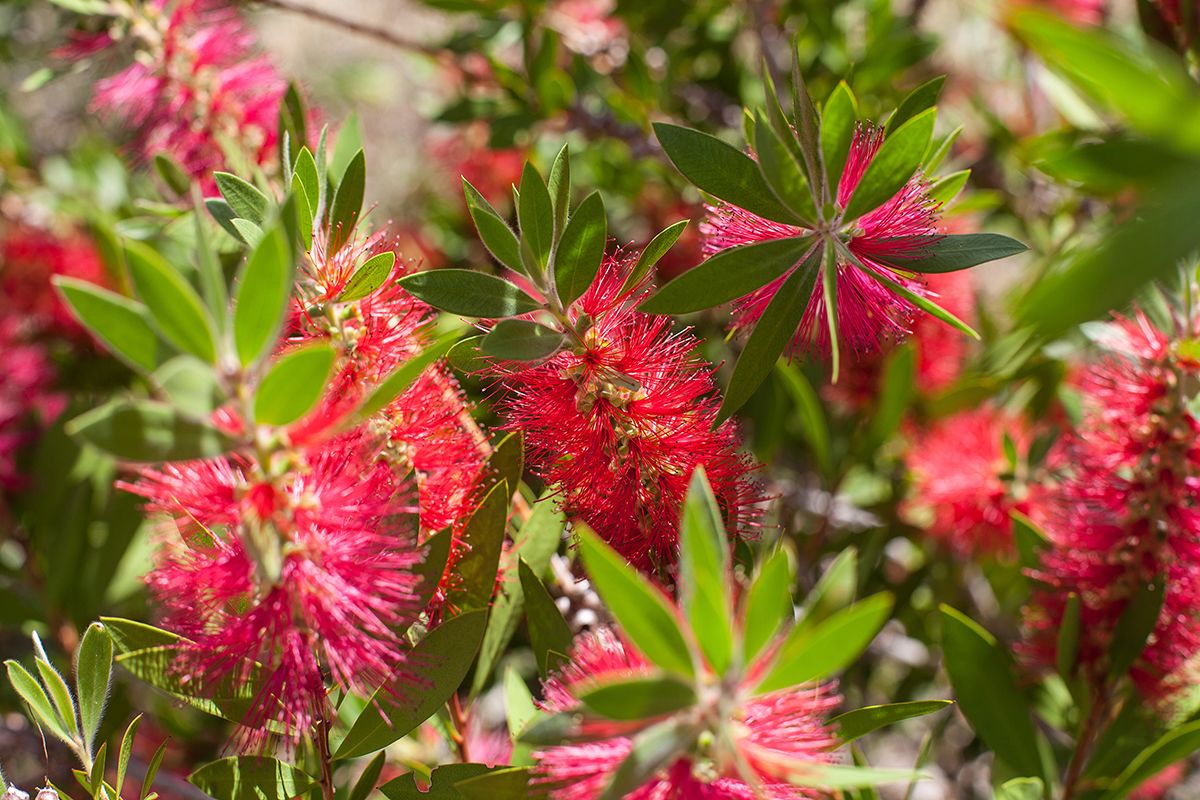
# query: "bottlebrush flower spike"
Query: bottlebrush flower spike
{"points": [[868, 313], [1123, 515], [307, 574], [618, 423], [789, 725], [196, 88], [963, 483]]}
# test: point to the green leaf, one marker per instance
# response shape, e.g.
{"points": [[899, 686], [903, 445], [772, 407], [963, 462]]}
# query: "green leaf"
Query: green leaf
{"points": [[498, 783], [652, 253], [548, 631], [919, 99], [811, 653], [861, 721], [1134, 627], [921, 302], [35, 697], [644, 614], [506, 463], [535, 213], [302, 205], [122, 324], [519, 707], [466, 357], [60, 696], [581, 249], [721, 170], [986, 691], [305, 170], [829, 286], [293, 385], [369, 277], [652, 749], [347, 203], [704, 573], [445, 656], [895, 396], [293, 123], [1173, 746], [152, 770], [838, 119], [247, 231], [462, 782], [147, 431], [176, 308], [1031, 540], [494, 232], [834, 590], [939, 149], [772, 333], [837, 776], [433, 565], [484, 539], [261, 300], [125, 752], [768, 604], [212, 275], [559, 185], [223, 214], [96, 779], [951, 253], [245, 200], [891, 168], [93, 675], [521, 340], [728, 275], [808, 413], [1021, 789], [783, 173], [349, 142], [1067, 643], [400, 379], [472, 294], [251, 778], [172, 174], [369, 778], [638, 698], [945, 189]]}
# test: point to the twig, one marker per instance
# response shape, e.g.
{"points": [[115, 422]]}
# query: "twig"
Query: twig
{"points": [[360, 28]]}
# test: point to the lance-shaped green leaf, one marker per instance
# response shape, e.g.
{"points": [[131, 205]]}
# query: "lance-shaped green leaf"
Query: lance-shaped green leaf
{"points": [[921, 302], [704, 573], [829, 287], [728, 275], [919, 99], [652, 749], [126, 751], [581, 249], [1067, 642], [472, 294], [93, 673], [950, 253], [445, 656], [152, 770], [768, 604], [346, 209], [772, 333], [721, 170], [369, 277], [559, 186], [402, 377], [60, 696], [305, 170], [946, 188], [535, 214], [35, 698], [1134, 627], [245, 200], [484, 538], [1175, 745], [637, 698], [653, 252], [811, 653], [293, 124], [782, 172], [838, 119], [172, 174], [251, 778], [548, 631], [521, 340], [369, 779], [263, 292], [893, 166], [122, 324], [834, 591], [176, 308], [1021, 789], [986, 691], [293, 385], [147, 431], [838, 776], [494, 232], [644, 614], [808, 413], [861, 721]]}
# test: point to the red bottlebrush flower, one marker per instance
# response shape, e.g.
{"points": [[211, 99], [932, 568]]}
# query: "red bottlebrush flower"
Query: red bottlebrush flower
{"points": [[303, 574], [618, 424], [29, 258], [27, 399], [868, 313], [199, 88], [782, 727], [1124, 516], [957, 466]]}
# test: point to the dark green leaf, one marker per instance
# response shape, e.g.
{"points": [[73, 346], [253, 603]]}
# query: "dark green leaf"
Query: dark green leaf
{"points": [[768, 604], [899, 375], [369, 778], [951, 253], [838, 119], [472, 294], [246, 201], [306, 173], [1031, 540], [638, 698], [810, 653], [475, 780], [498, 783], [172, 174], [891, 168], [507, 462], [783, 173], [721, 170], [772, 333], [433, 565], [126, 751], [808, 413], [728, 275], [535, 213], [704, 573], [581, 249], [400, 379], [152, 770], [93, 673], [251, 778], [35, 697], [466, 357], [172, 302], [1067, 642], [919, 99], [653, 252], [484, 538], [644, 614], [548, 631], [494, 232], [1173, 746], [369, 277], [60, 696], [122, 324], [987, 692], [559, 185], [445, 656], [945, 189], [347, 203], [1021, 789], [653, 749], [1137, 622], [521, 340], [861, 721], [834, 591], [261, 301], [920, 301], [293, 385], [293, 122], [224, 216], [146, 431]]}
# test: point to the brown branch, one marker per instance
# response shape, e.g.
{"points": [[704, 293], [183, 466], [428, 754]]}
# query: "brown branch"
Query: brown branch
{"points": [[353, 26]]}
